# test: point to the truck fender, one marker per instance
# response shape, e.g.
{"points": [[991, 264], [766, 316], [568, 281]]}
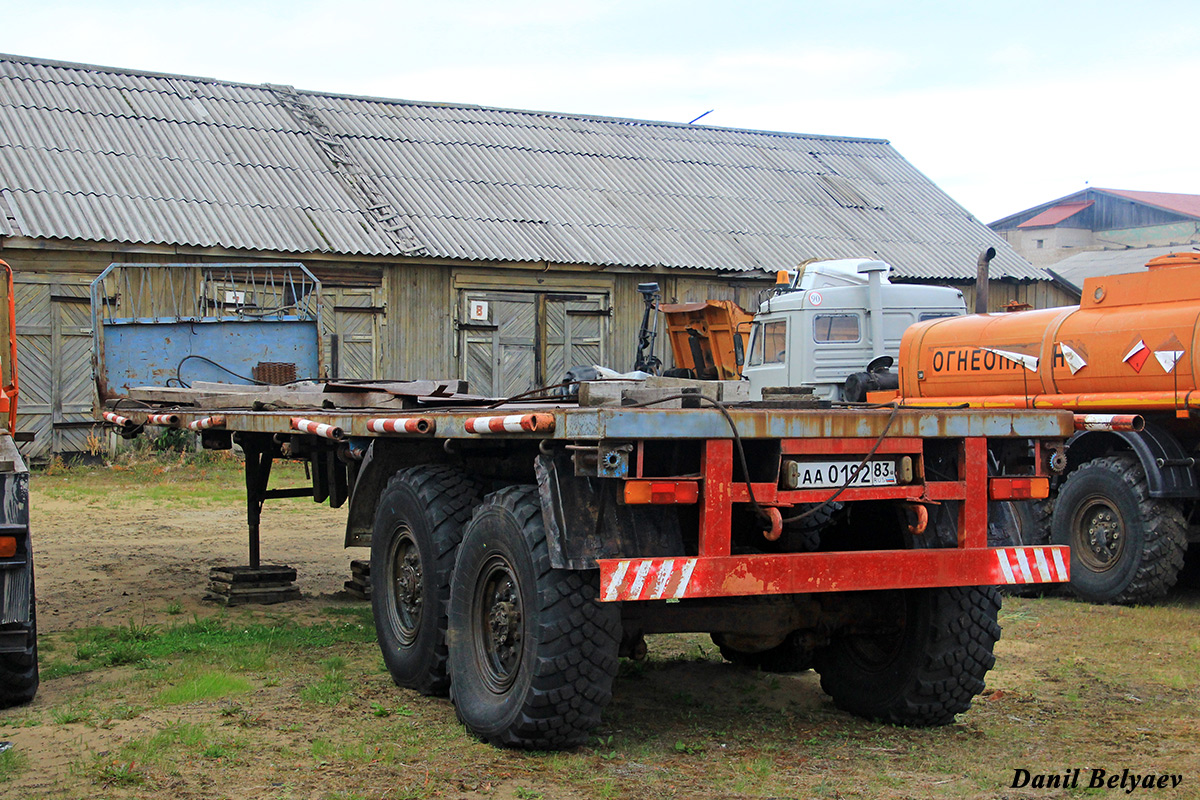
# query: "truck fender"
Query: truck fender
{"points": [[1169, 469], [378, 465]]}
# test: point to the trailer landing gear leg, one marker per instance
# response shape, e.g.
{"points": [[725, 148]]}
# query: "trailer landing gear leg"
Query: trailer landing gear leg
{"points": [[256, 582]]}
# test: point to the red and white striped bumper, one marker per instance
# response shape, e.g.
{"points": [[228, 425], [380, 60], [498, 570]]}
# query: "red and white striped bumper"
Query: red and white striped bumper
{"points": [[800, 573]]}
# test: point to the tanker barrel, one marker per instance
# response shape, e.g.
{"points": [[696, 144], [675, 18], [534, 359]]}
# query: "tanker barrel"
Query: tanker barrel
{"points": [[1109, 422]]}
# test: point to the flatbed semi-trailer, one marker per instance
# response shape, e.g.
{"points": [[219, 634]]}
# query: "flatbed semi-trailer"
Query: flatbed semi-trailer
{"points": [[519, 548]]}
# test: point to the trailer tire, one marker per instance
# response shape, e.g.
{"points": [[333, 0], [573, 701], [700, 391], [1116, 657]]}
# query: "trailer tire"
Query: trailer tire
{"points": [[928, 670], [533, 653], [1022, 523], [417, 529], [19, 671], [791, 655], [1126, 547]]}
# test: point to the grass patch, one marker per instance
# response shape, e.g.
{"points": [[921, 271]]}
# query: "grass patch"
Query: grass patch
{"points": [[187, 480], [333, 686], [208, 685], [12, 763], [252, 646]]}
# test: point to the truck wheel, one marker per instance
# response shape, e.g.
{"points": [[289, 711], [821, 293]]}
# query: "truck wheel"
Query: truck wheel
{"points": [[532, 652], [790, 655], [19, 671], [1126, 547], [418, 525], [925, 671]]}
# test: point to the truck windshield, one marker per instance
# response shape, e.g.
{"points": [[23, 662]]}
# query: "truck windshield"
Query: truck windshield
{"points": [[768, 343]]}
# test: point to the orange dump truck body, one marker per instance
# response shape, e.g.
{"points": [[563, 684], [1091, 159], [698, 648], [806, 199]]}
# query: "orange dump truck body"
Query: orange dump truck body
{"points": [[708, 338], [1132, 344]]}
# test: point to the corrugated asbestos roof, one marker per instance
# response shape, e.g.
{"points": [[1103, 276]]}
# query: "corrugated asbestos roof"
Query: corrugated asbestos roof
{"points": [[1075, 270], [98, 154]]}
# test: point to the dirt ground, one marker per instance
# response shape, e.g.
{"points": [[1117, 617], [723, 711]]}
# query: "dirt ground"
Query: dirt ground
{"points": [[100, 565], [1075, 686]]}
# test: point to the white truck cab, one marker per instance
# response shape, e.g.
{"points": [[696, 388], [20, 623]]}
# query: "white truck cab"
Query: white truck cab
{"points": [[831, 320]]}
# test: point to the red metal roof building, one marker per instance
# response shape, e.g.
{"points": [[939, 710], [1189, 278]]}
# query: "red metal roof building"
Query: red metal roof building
{"points": [[1101, 220]]}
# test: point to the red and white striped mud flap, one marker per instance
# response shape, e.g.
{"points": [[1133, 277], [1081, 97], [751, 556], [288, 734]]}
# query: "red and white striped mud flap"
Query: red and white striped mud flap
{"points": [[1049, 564]]}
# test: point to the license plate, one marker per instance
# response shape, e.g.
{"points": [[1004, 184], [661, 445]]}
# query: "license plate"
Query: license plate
{"points": [[835, 474]]}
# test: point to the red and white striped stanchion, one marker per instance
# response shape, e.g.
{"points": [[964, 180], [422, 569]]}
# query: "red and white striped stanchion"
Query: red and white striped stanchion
{"points": [[117, 419], [318, 429], [171, 420], [1109, 422], [513, 423], [401, 425], [204, 423]]}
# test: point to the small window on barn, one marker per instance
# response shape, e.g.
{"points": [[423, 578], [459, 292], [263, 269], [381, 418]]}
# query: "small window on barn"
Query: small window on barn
{"points": [[1041, 243], [836, 328]]}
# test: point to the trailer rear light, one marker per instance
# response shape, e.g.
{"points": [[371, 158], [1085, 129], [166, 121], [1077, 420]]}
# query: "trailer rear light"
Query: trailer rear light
{"points": [[8, 546], [1028, 488], [661, 492]]}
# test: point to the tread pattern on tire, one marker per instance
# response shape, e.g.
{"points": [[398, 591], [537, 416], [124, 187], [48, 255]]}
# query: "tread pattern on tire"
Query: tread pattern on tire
{"points": [[19, 671], [1165, 529], [577, 639], [954, 645], [450, 496]]}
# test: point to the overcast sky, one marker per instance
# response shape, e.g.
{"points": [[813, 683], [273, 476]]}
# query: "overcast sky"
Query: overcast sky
{"points": [[1003, 105]]}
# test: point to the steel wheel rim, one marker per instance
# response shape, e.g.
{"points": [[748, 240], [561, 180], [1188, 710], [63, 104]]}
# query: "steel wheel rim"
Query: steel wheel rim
{"points": [[406, 583], [1098, 531], [499, 624]]}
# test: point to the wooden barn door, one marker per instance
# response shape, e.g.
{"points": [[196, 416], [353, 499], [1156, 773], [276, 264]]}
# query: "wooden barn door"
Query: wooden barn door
{"points": [[54, 346], [354, 318], [514, 342]]}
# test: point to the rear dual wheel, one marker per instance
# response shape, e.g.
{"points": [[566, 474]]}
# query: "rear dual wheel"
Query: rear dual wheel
{"points": [[417, 530], [927, 668], [533, 653]]}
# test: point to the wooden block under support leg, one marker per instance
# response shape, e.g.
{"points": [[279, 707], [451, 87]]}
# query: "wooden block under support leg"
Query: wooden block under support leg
{"points": [[242, 585], [359, 584]]}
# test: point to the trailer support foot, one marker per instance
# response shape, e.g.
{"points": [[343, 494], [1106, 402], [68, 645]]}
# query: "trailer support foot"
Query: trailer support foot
{"points": [[256, 582]]}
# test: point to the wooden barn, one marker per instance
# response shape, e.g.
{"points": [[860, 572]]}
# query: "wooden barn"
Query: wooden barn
{"points": [[457, 241]]}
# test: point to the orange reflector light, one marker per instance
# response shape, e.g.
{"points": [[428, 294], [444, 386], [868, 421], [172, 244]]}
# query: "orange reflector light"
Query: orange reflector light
{"points": [[782, 277], [1029, 488], [661, 492], [8, 546]]}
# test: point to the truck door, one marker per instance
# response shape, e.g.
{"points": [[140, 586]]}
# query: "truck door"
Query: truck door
{"points": [[767, 364]]}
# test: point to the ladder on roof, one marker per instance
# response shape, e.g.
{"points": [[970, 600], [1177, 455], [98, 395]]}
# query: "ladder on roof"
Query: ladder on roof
{"points": [[341, 160]]}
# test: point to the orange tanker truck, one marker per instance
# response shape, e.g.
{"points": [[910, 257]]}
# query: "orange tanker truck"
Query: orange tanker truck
{"points": [[1129, 354]]}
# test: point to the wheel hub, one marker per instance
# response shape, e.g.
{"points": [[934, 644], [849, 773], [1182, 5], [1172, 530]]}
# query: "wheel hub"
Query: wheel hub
{"points": [[407, 584], [1101, 535], [501, 634]]}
